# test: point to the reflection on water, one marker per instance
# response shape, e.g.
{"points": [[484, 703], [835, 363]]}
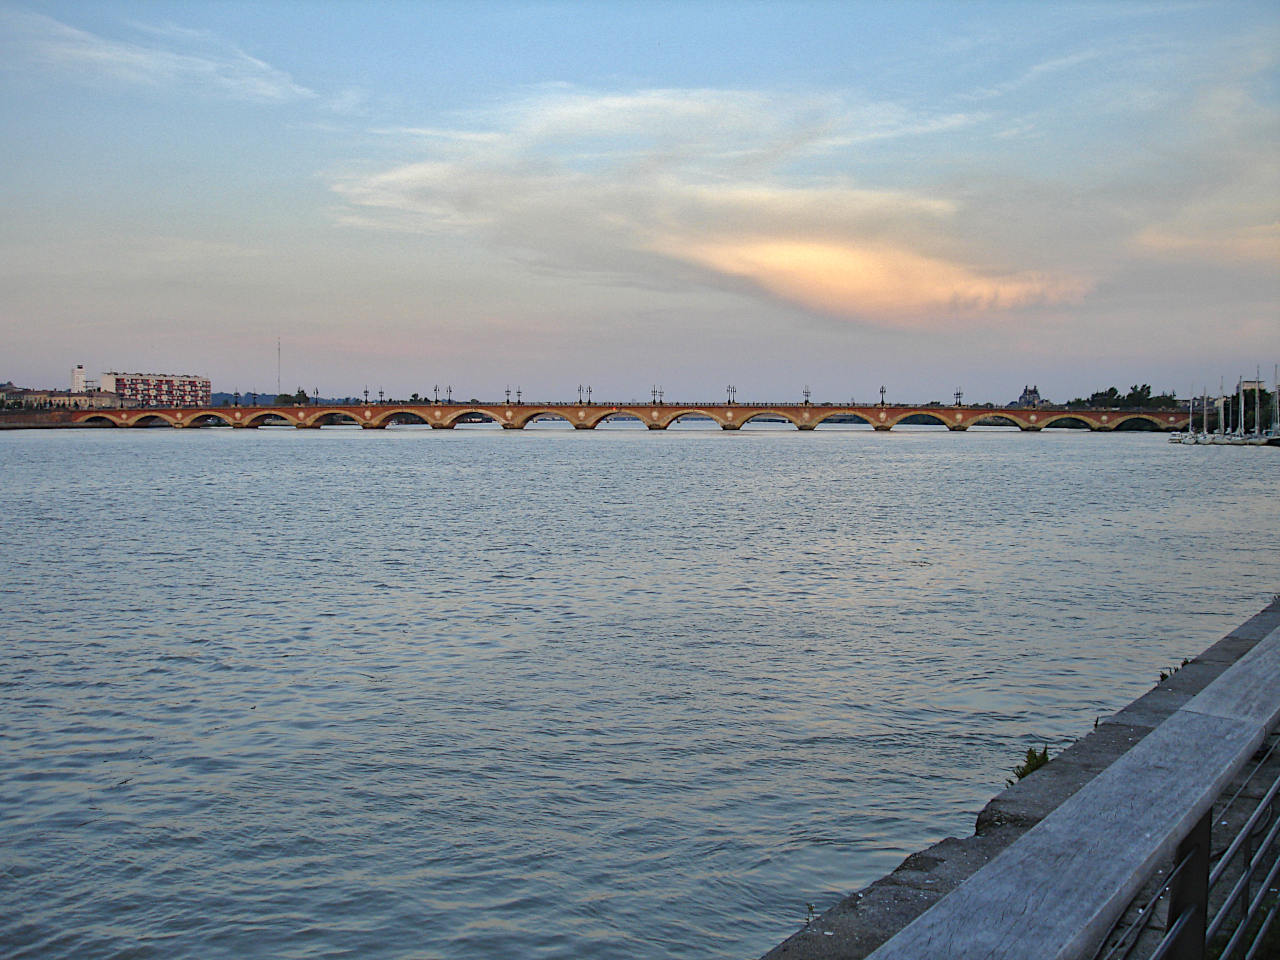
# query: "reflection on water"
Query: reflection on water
{"points": [[559, 693]]}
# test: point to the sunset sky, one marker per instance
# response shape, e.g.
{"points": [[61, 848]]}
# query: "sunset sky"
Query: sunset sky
{"points": [[841, 195]]}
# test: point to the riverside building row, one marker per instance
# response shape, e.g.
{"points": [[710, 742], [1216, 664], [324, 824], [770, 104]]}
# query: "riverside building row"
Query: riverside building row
{"points": [[114, 389]]}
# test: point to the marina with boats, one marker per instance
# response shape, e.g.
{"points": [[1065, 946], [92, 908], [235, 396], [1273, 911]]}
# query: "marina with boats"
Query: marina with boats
{"points": [[1235, 422]]}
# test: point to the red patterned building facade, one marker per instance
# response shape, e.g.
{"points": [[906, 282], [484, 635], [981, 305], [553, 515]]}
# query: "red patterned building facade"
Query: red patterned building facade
{"points": [[158, 389]]}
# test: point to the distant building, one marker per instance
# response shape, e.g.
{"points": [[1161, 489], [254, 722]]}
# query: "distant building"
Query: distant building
{"points": [[158, 389], [1030, 398], [61, 400], [79, 384]]}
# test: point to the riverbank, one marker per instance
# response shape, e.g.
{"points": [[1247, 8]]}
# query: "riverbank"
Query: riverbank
{"points": [[864, 920], [36, 419]]}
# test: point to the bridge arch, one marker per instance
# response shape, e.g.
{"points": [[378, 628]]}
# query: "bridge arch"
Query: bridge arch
{"points": [[1138, 421], [992, 419], [207, 418], [399, 415], [825, 419], [335, 418], [553, 418], [100, 420], [1068, 421], [926, 418], [463, 417], [619, 415], [770, 414], [152, 420], [268, 418], [698, 413]]}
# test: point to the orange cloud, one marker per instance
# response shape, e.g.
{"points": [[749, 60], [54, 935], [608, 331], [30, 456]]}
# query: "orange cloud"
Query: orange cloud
{"points": [[871, 281]]}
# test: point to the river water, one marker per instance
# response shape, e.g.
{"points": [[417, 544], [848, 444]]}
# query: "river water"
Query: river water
{"points": [[557, 694]]}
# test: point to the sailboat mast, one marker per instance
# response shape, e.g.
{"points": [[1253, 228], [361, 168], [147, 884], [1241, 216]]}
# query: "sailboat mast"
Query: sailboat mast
{"points": [[1257, 399]]}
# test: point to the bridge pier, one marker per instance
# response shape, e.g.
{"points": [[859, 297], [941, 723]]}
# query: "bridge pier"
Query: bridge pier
{"points": [[881, 427], [957, 427]]}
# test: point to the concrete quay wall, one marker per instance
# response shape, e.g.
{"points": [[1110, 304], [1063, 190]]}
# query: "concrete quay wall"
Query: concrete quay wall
{"points": [[862, 921]]}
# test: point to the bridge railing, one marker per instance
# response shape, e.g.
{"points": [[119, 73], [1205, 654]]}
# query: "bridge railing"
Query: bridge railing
{"points": [[1058, 891]]}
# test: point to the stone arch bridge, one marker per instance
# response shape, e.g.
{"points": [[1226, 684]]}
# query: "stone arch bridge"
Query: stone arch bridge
{"points": [[587, 416]]}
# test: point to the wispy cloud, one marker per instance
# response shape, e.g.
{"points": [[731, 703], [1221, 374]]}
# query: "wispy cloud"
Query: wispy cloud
{"points": [[723, 187], [165, 55]]}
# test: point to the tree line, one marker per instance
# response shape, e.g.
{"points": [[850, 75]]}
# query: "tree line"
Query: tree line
{"points": [[1139, 397]]}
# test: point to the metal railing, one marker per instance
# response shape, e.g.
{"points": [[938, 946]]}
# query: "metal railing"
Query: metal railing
{"points": [[1218, 904], [1062, 889]]}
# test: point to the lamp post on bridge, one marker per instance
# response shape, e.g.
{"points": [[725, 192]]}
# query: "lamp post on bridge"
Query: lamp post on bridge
{"points": [[518, 394], [579, 394], [882, 395], [806, 394], [732, 390], [508, 396], [379, 394], [654, 391], [588, 394], [236, 401], [448, 393], [959, 396]]}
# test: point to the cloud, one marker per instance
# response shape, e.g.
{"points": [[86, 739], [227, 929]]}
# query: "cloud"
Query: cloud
{"points": [[875, 280], [727, 188], [1227, 207], [163, 56]]}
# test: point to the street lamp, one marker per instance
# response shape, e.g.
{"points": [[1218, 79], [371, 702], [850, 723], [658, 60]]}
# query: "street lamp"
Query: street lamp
{"points": [[959, 396], [518, 394], [732, 390], [588, 393], [882, 395], [366, 395], [448, 393], [379, 394], [508, 396], [806, 394], [236, 402], [579, 394]]}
